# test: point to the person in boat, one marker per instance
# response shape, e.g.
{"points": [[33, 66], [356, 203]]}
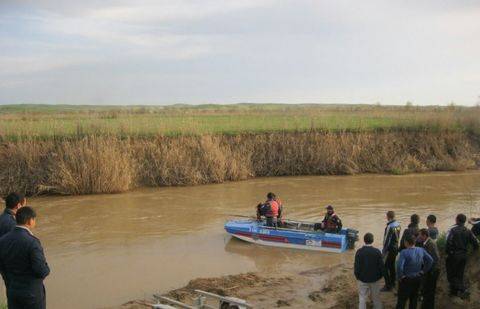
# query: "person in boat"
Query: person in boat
{"points": [[391, 238], [271, 210], [412, 230], [331, 222], [280, 210]]}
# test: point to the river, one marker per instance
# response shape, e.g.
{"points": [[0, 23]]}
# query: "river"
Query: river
{"points": [[104, 250]]}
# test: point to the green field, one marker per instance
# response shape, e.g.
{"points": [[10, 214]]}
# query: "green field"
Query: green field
{"points": [[51, 121]]}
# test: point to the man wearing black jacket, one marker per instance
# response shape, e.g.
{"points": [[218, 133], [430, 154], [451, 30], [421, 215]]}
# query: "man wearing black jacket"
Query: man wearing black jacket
{"points": [[391, 238], [458, 239], [23, 265], [369, 270], [412, 230], [13, 202], [429, 284]]}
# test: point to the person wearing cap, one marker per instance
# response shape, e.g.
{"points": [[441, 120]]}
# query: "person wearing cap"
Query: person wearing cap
{"points": [[331, 222]]}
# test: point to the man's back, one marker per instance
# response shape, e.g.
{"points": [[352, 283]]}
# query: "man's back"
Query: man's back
{"points": [[413, 261], [7, 222], [431, 247], [23, 264], [412, 230], [433, 232], [458, 239], [369, 265], [391, 237]]}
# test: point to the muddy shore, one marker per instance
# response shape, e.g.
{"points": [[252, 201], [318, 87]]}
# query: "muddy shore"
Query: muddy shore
{"points": [[327, 287]]}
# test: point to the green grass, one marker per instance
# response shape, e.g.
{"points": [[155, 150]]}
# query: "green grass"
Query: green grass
{"points": [[48, 121], [442, 242]]}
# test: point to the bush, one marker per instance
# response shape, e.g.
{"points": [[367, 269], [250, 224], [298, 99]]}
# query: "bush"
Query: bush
{"points": [[442, 242]]}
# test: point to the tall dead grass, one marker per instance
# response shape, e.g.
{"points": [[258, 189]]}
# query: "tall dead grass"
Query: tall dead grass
{"points": [[110, 164], [90, 165]]}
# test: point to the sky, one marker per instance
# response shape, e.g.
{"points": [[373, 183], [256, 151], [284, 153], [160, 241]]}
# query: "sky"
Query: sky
{"points": [[287, 51]]}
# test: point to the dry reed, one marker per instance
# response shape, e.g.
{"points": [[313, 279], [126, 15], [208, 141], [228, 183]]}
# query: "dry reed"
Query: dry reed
{"points": [[110, 164]]}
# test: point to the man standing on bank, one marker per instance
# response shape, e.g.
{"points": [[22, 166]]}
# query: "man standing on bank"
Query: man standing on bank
{"points": [[391, 238], [412, 264], [23, 265], [369, 270], [458, 239], [430, 279], [13, 202]]}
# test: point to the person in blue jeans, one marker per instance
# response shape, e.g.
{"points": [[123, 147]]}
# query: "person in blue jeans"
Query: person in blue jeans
{"points": [[412, 264]]}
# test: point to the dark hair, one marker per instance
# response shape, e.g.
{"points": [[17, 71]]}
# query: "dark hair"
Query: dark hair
{"points": [[368, 238], [13, 199], [390, 214], [432, 218], [409, 239], [415, 219], [461, 219], [271, 195], [424, 232], [24, 214]]}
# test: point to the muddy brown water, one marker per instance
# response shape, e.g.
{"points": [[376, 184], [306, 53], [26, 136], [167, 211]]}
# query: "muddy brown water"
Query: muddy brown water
{"points": [[107, 249]]}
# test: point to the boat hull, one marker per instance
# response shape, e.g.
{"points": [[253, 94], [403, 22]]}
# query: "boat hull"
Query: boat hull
{"points": [[256, 232]]}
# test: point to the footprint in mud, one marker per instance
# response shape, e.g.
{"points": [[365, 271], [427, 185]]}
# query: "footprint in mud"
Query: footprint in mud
{"points": [[284, 303], [316, 296]]}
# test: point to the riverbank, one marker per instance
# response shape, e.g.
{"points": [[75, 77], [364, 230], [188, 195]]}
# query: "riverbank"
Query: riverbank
{"points": [[99, 164], [332, 287]]}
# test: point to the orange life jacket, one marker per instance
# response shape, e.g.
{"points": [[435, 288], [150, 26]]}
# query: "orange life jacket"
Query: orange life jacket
{"points": [[280, 207], [279, 202], [273, 211]]}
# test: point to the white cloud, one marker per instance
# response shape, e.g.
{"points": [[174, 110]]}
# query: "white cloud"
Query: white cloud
{"points": [[168, 11]]}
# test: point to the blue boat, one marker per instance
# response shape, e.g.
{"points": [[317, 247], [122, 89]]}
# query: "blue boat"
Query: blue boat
{"points": [[293, 234]]}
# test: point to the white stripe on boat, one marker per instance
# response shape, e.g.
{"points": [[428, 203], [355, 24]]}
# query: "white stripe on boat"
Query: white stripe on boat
{"points": [[285, 245]]}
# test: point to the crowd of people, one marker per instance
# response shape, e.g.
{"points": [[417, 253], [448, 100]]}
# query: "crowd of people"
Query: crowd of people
{"points": [[22, 262], [411, 263]]}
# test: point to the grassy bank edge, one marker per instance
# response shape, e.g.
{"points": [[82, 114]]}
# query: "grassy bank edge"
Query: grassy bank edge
{"points": [[95, 164]]}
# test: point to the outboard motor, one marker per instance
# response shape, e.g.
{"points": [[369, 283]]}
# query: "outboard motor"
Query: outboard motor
{"points": [[352, 237]]}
